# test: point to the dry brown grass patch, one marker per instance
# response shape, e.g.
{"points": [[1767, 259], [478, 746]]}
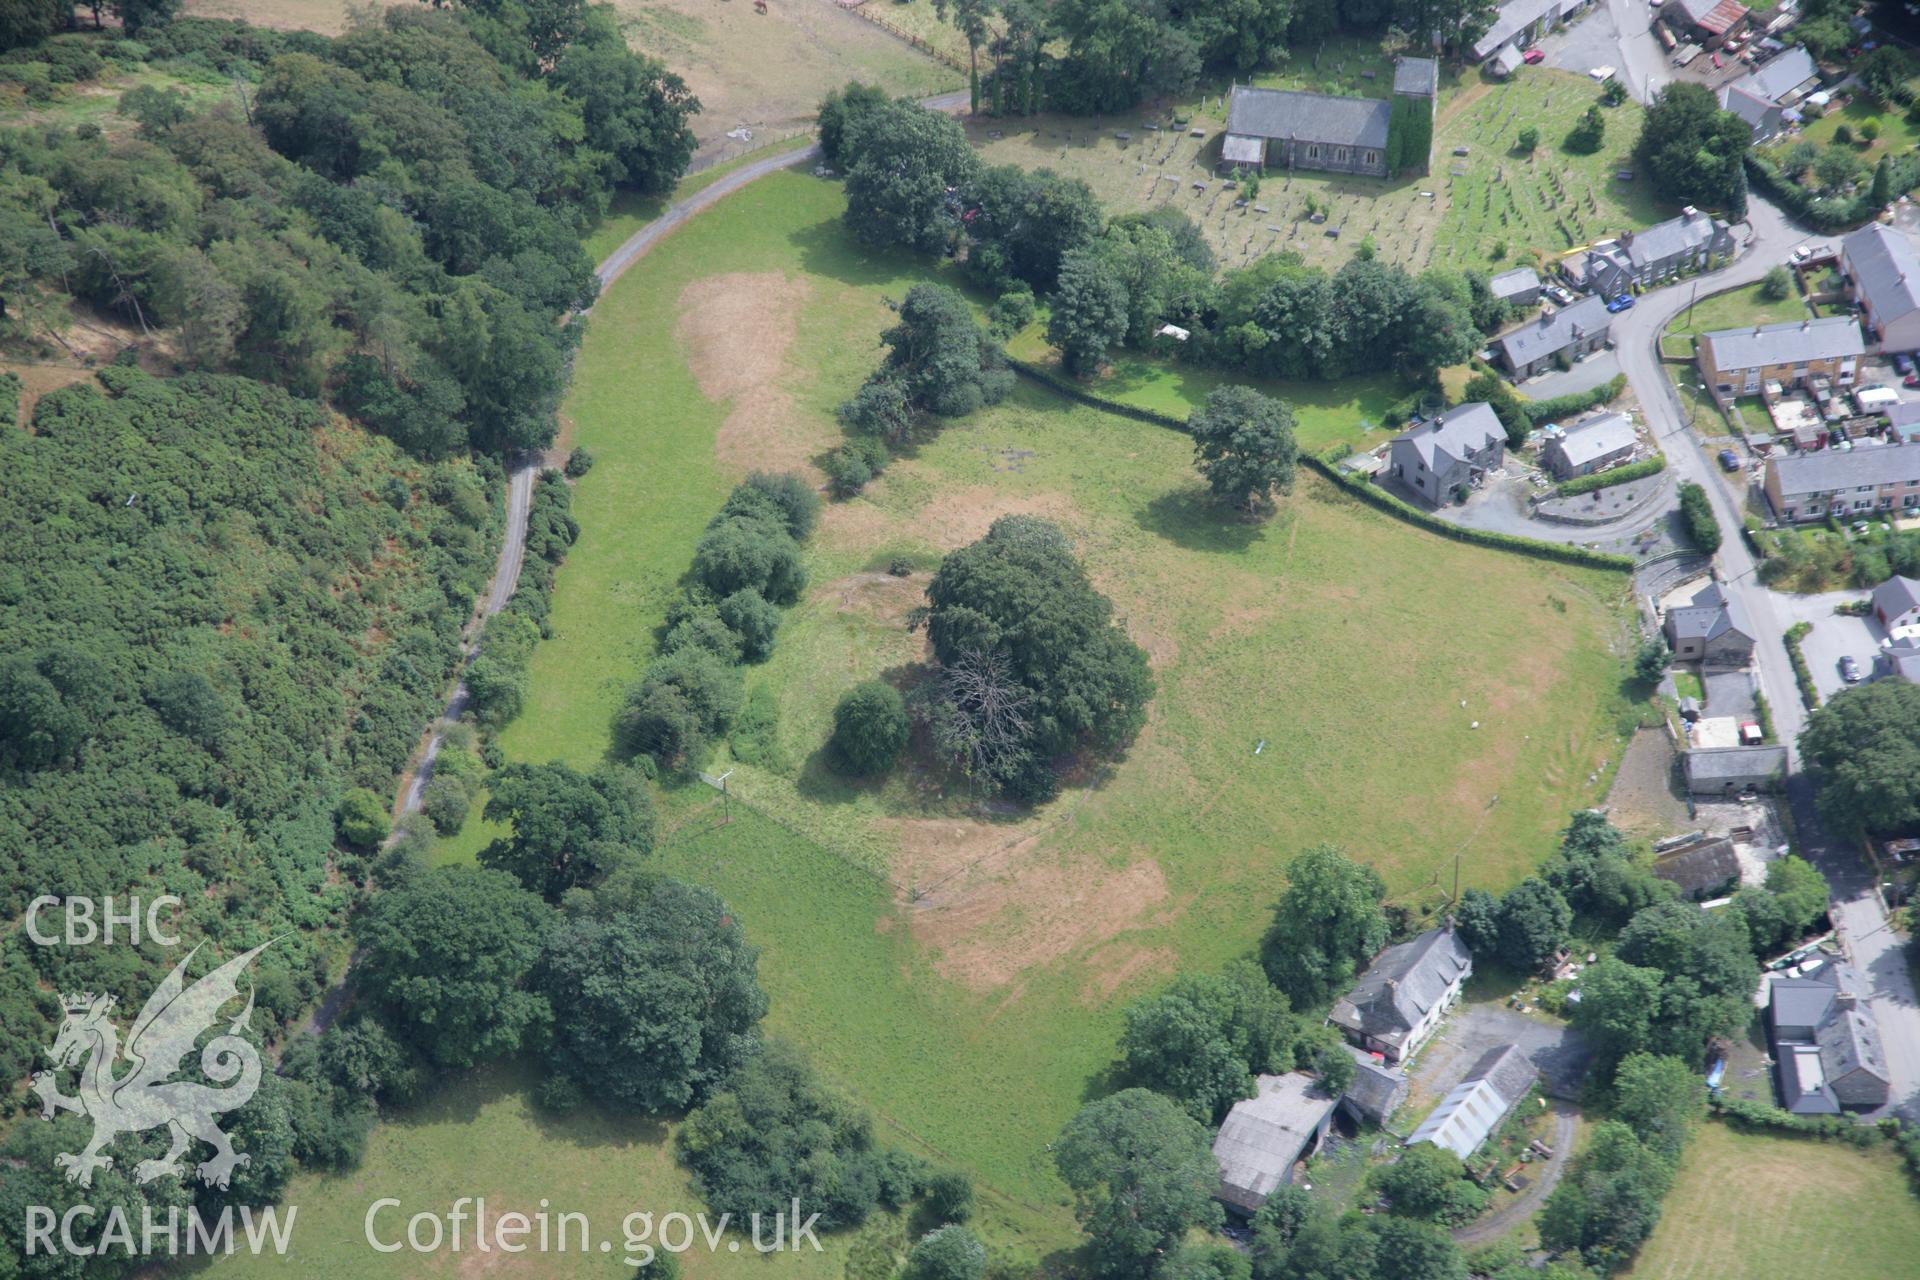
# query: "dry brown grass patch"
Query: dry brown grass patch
{"points": [[736, 329]]}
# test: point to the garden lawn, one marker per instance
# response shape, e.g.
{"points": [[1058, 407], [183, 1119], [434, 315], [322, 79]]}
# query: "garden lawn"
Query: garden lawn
{"points": [[1896, 135], [1736, 309], [962, 974], [1487, 210], [1759, 1206], [481, 1136]]}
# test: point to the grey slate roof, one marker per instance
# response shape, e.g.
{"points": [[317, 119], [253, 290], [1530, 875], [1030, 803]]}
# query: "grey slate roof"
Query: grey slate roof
{"points": [[1416, 75], [1724, 764], [1597, 437], [1508, 60], [1538, 338], [1474, 1107], [1711, 614], [1904, 659], [1843, 1047], [1887, 270], [1309, 117], [1760, 114], [1402, 984], [1377, 1089], [1449, 436], [1793, 342], [1264, 1135], [1513, 17], [1829, 469], [1781, 76], [1896, 596], [1675, 238], [1519, 280]]}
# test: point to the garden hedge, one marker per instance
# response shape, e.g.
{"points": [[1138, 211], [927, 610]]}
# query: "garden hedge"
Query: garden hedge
{"points": [[1539, 411], [1607, 479], [1371, 494]]}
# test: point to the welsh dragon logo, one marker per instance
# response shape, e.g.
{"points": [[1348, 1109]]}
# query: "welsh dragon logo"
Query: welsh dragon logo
{"points": [[143, 1096]]}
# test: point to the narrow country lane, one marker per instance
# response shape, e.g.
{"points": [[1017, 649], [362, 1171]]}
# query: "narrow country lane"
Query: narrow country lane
{"points": [[1858, 913]]}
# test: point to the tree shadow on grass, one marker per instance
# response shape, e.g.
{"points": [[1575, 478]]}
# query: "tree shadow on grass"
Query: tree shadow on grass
{"points": [[828, 249], [1193, 519]]}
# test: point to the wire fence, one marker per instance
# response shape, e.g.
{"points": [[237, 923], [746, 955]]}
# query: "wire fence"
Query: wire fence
{"points": [[919, 42]]}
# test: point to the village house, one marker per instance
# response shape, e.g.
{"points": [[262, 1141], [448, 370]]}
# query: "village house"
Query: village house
{"points": [[1265, 1136], [1553, 338], [1446, 456], [1707, 23], [1611, 268], [1602, 441], [1848, 485], [1786, 79], [1402, 996], [1519, 287], [1765, 118], [1739, 362], [1286, 129], [1519, 23], [1711, 629], [1896, 603], [1883, 280], [1718, 772], [1826, 1047], [1474, 1108]]}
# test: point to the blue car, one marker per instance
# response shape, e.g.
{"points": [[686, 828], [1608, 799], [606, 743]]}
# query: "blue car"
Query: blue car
{"points": [[1621, 303]]}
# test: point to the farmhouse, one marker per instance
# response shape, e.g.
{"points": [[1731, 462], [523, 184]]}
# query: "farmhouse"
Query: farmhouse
{"points": [[1738, 362], [1812, 486], [1476, 1106], [1566, 334], [1826, 1048], [1765, 118], [1883, 279], [1602, 441], [1265, 1136], [1520, 22], [1706, 22], [1896, 602], [1519, 287], [1447, 455], [1686, 243], [1401, 997], [1711, 629], [1285, 129], [1727, 771]]}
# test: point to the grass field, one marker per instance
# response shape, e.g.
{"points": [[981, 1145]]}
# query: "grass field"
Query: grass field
{"points": [[962, 974], [1755, 1207], [481, 1137], [1737, 309], [1488, 208]]}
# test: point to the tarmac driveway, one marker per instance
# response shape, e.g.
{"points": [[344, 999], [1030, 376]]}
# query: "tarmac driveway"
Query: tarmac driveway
{"points": [[1833, 636], [1597, 368], [1559, 1052]]}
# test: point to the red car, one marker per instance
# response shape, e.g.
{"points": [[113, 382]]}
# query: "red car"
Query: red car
{"points": [[1912, 380], [1533, 57]]}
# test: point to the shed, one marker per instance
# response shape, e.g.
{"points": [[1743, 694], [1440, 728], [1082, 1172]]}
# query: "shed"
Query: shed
{"points": [[1377, 1089], [1520, 286], [1264, 1136], [1700, 868]]}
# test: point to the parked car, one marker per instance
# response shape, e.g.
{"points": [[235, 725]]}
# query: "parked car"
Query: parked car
{"points": [[1533, 57], [1729, 460], [1849, 669], [1802, 253], [1903, 362], [1911, 380], [1561, 295], [1622, 303]]}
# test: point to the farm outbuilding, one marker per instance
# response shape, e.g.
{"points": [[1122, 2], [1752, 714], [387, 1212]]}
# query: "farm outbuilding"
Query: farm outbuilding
{"points": [[1265, 1136], [1476, 1106]]}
